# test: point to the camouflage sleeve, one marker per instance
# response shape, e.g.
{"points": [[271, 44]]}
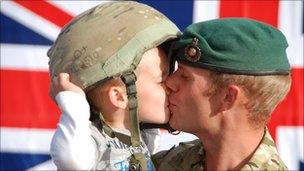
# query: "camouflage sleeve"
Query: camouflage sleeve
{"points": [[178, 157], [266, 156], [158, 157]]}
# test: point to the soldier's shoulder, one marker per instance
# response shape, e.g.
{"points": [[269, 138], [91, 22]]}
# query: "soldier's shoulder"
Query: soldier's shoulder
{"points": [[267, 162], [179, 157], [266, 157]]}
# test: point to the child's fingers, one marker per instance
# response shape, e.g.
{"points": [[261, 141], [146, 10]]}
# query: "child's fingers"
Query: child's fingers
{"points": [[63, 79], [55, 87], [62, 83]]}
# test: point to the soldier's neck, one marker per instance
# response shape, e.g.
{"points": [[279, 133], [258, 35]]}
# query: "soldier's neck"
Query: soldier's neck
{"points": [[230, 150]]}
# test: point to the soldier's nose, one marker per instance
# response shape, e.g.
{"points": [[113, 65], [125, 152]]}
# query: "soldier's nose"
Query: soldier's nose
{"points": [[168, 90], [170, 86]]}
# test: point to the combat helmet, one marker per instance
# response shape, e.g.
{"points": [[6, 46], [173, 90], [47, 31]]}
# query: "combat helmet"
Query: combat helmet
{"points": [[108, 41]]}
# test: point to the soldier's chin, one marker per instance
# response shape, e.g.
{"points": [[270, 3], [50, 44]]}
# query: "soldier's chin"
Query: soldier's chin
{"points": [[173, 124]]}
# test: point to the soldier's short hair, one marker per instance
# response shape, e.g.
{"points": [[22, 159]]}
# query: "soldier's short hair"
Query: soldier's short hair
{"points": [[264, 93]]}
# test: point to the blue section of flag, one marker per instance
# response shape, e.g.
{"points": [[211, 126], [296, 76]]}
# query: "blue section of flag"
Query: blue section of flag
{"points": [[19, 161], [180, 12], [14, 32], [301, 166]]}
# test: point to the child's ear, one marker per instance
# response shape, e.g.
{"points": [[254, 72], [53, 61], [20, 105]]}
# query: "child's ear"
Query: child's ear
{"points": [[118, 97]]}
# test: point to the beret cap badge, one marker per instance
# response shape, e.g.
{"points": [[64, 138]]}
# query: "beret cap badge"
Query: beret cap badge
{"points": [[192, 51]]}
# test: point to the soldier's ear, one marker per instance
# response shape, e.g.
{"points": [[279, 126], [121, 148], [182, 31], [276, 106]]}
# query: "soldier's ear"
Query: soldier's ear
{"points": [[230, 97], [118, 97]]}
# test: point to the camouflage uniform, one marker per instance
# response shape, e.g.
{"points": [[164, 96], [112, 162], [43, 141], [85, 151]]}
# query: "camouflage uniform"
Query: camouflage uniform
{"points": [[190, 156]]}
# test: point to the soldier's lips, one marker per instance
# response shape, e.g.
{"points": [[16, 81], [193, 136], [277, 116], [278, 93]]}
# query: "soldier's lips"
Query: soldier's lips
{"points": [[171, 103], [171, 108]]}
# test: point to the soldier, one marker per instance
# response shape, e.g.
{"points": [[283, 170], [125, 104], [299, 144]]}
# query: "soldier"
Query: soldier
{"points": [[231, 75], [99, 55]]}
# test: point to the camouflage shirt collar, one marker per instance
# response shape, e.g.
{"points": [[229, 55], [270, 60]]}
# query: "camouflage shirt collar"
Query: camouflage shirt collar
{"points": [[265, 156]]}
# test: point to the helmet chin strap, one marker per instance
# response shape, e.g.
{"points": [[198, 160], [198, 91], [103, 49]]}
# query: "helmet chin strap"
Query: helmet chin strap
{"points": [[138, 160]]}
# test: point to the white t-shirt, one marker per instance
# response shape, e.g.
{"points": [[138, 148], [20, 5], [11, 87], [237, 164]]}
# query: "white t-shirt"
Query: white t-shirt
{"points": [[78, 145]]}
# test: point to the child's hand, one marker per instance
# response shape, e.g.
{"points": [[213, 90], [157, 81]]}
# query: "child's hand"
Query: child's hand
{"points": [[62, 83]]}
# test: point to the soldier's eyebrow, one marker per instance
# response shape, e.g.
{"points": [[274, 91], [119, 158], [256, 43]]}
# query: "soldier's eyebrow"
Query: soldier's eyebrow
{"points": [[181, 67], [184, 69]]}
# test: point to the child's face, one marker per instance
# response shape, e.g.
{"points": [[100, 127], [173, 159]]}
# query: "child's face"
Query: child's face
{"points": [[151, 93]]}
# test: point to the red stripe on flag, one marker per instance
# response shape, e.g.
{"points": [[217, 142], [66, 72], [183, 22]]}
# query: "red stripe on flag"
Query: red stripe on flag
{"points": [[290, 112], [24, 100], [266, 11], [47, 11]]}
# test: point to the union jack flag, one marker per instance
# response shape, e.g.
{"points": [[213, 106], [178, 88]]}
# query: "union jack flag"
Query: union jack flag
{"points": [[28, 28]]}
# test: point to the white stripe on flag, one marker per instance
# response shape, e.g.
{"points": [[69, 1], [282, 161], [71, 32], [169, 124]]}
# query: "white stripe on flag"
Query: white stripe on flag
{"points": [[23, 140], [75, 7], [205, 10], [290, 23], [30, 19], [290, 145], [24, 57]]}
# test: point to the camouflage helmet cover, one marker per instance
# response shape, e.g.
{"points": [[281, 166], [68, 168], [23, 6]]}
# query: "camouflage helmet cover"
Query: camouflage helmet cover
{"points": [[107, 41]]}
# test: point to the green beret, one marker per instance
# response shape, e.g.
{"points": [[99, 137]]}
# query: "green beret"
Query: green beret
{"points": [[234, 46]]}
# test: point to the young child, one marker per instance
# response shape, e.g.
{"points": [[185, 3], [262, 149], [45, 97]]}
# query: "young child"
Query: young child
{"points": [[113, 55]]}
